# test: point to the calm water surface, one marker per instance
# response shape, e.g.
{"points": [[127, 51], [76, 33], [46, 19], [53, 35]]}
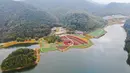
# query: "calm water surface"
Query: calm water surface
{"points": [[106, 56]]}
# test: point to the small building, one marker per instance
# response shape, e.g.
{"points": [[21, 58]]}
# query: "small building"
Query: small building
{"points": [[115, 17], [1, 45], [58, 30], [79, 32]]}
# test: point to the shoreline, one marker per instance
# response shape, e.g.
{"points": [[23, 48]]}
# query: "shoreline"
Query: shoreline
{"points": [[16, 43]]}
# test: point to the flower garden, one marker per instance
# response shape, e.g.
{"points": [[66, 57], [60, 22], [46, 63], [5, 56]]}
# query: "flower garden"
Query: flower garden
{"points": [[68, 42]]}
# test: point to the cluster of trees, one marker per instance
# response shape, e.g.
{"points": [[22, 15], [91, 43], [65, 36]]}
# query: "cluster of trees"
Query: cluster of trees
{"points": [[22, 39], [52, 39], [19, 58]]}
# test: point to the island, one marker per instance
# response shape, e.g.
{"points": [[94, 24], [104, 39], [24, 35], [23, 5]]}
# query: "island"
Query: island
{"points": [[20, 59]]}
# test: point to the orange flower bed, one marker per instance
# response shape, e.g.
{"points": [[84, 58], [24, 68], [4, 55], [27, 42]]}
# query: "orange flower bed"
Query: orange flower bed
{"points": [[8, 44]]}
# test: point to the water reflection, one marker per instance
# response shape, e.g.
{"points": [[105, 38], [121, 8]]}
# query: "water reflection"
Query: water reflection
{"points": [[22, 45]]}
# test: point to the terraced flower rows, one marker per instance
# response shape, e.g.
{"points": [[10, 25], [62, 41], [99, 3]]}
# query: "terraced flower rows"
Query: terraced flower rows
{"points": [[80, 41], [72, 40], [69, 41]]}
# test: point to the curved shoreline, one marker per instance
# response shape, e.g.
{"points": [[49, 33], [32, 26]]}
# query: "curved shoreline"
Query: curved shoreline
{"points": [[13, 43]]}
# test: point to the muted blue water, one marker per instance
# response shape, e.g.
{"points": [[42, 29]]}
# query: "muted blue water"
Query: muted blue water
{"points": [[106, 56]]}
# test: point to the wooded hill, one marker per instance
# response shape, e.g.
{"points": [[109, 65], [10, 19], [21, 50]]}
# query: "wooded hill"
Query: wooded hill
{"points": [[61, 6], [19, 59]]}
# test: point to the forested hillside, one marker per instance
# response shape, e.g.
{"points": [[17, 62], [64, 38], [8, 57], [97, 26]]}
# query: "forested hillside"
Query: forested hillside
{"points": [[83, 21], [21, 20], [87, 5], [72, 13], [59, 7], [115, 8]]}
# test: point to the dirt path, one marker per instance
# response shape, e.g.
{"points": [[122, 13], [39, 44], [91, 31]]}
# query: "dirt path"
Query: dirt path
{"points": [[70, 40], [37, 54]]}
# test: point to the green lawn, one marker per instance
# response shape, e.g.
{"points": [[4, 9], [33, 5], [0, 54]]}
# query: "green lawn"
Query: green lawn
{"points": [[97, 33], [1, 45], [43, 50], [79, 35], [52, 47]]}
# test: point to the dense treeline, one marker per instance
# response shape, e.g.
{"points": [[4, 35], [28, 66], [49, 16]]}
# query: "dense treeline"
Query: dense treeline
{"points": [[18, 59]]}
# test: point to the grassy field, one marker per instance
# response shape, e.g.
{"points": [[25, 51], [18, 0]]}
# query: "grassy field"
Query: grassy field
{"points": [[48, 47], [97, 33], [79, 35], [43, 50], [1, 45]]}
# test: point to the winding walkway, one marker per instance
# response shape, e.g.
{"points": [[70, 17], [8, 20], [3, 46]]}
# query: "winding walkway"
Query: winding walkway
{"points": [[37, 55], [70, 40]]}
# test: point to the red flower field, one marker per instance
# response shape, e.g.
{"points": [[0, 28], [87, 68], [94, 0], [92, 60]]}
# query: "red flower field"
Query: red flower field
{"points": [[72, 40]]}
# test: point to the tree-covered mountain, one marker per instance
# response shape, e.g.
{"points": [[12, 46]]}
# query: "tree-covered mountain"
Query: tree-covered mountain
{"points": [[72, 13], [88, 5], [59, 7], [82, 21], [115, 8], [21, 20]]}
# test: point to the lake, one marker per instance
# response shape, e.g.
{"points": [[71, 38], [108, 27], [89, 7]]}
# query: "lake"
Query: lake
{"points": [[105, 56]]}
